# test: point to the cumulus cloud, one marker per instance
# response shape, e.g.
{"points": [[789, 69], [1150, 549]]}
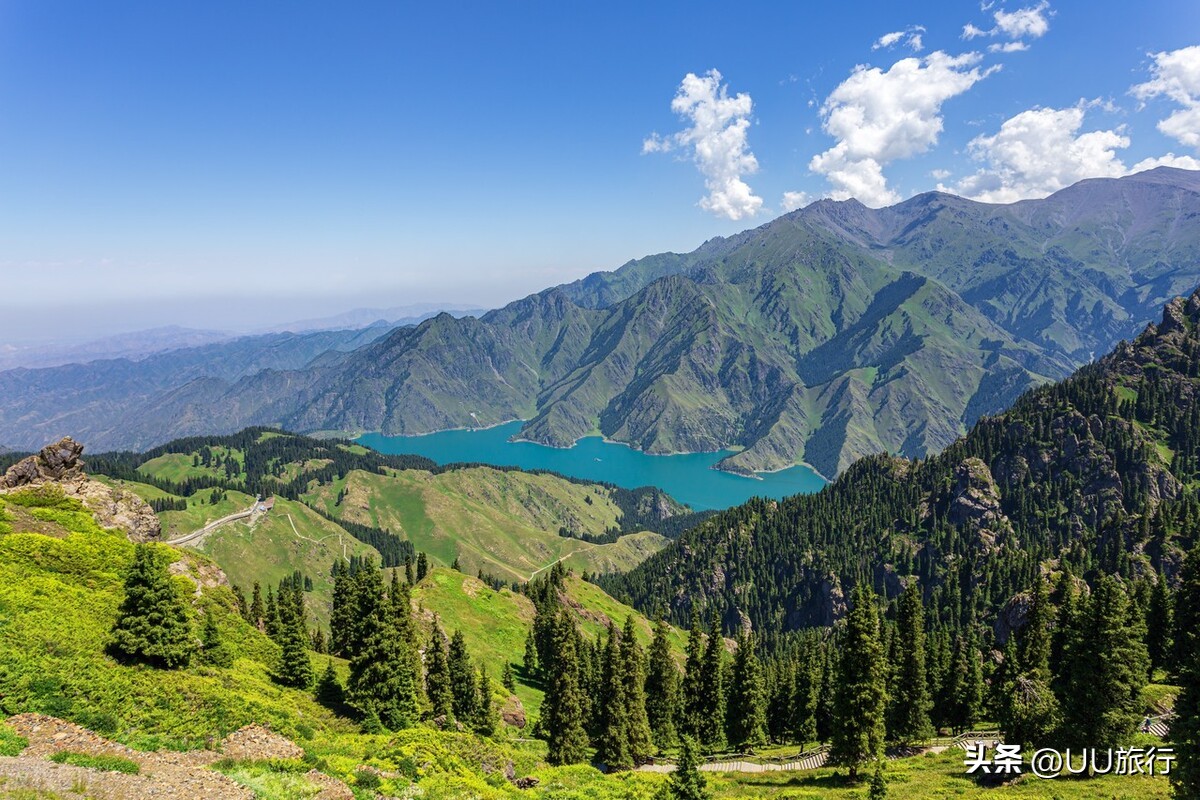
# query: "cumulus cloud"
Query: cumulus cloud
{"points": [[911, 37], [1031, 22], [1169, 160], [794, 200], [880, 116], [716, 141], [1176, 76], [1038, 152]]}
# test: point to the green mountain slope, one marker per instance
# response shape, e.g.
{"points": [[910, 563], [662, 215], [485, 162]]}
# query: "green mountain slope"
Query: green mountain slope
{"points": [[830, 333], [1095, 475]]}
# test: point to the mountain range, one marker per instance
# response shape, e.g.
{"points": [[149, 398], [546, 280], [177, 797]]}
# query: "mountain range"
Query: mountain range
{"points": [[830, 333]]}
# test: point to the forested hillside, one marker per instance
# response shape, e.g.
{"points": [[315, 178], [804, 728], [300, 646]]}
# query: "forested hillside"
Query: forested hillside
{"points": [[1093, 475]]}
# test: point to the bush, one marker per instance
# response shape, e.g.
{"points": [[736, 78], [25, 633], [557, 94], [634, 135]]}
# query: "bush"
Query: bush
{"points": [[103, 763], [10, 743]]}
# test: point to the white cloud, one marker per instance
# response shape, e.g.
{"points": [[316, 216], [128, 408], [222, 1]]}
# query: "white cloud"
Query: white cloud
{"points": [[1169, 160], [716, 141], [1176, 76], [1030, 22], [1038, 152], [878, 117], [940, 174], [794, 200], [1007, 47], [911, 37]]}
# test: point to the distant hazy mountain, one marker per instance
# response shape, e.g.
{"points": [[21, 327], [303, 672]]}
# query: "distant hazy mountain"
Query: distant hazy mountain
{"points": [[396, 316], [135, 345], [829, 333]]}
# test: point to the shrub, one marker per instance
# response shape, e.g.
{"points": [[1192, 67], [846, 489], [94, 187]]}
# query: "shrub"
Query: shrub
{"points": [[103, 763], [10, 743]]}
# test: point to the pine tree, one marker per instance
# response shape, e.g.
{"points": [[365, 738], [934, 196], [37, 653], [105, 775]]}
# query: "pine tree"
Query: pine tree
{"points": [[612, 745], [1108, 664], [910, 703], [860, 691], [437, 676], [687, 782], [422, 566], [1185, 728], [507, 679], [747, 698], [213, 650], [563, 707], [692, 694], [295, 668], [711, 715], [272, 622], [878, 790], [1159, 623], [152, 624], [382, 683], [1027, 708], [530, 661], [258, 611], [487, 718], [329, 690], [805, 694], [633, 678], [462, 680], [409, 577], [662, 689], [342, 617]]}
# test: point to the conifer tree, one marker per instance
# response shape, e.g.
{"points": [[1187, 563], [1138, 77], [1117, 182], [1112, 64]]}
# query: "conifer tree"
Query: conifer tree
{"points": [[910, 703], [805, 694], [271, 623], [437, 676], [747, 699], [462, 680], [152, 625], [711, 719], [258, 611], [662, 689], [1027, 708], [530, 661], [1159, 624], [860, 691], [213, 649], [409, 577], [633, 677], [563, 707], [692, 705], [422, 566], [329, 690], [878, 790], [382, 683], [1185, 728], [687, 782], [612, 744], [1102, 703], [507, 679], [487, 718], [295, 668]]}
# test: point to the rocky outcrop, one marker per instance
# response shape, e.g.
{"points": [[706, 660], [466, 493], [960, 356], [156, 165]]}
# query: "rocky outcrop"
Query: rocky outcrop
{"points": [[975, 505], [60, 465]]}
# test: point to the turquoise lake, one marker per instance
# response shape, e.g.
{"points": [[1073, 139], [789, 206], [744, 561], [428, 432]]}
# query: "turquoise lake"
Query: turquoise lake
{"points": [[688, 478]]}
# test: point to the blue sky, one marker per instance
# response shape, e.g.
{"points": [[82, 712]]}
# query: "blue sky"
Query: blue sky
{"points": [[231, 164]]}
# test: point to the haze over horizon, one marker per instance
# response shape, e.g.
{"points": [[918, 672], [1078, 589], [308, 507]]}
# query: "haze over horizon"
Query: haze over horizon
{"points": [[226, 167]]}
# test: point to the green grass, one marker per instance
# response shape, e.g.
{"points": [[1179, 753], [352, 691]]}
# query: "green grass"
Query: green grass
{"points": [[178, 467], [934, 776], [495, 624], [102, 763], [10, 743], [268, 548], [58, 599], [505, 523], [271, 780]]}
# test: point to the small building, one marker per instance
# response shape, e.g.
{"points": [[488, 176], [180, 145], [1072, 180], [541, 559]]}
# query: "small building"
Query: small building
{"points": [[266, 505]]}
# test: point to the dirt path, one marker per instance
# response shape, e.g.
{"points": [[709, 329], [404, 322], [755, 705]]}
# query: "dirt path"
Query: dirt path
{"points": [[164, 775], [534, 574]]}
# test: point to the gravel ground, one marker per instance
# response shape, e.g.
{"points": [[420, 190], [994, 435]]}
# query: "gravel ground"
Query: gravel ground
{"points": [[165, 775]]}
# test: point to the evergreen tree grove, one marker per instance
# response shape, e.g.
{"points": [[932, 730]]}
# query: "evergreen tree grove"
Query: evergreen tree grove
{"points": [[747, 722], [662, 689], [910, 703]]}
